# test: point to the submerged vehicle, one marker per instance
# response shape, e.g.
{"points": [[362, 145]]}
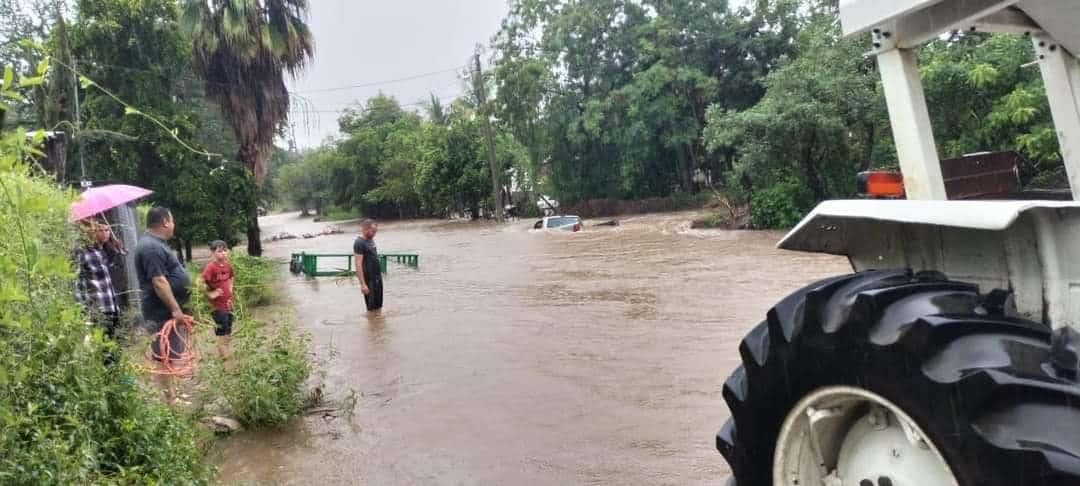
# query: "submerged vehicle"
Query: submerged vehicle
{"points": [[562, 223]]}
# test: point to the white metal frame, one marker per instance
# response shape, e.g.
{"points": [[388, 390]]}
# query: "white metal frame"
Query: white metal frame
{"points": [[898, 26], [1061, 75], [910, 121], [1027, 247]]}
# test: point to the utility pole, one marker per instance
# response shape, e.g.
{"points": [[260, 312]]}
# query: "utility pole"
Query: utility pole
{"points": [[489, 139], [78, 121]]}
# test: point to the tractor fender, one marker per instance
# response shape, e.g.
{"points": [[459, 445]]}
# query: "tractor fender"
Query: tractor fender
{"points": [[1027, 247]]}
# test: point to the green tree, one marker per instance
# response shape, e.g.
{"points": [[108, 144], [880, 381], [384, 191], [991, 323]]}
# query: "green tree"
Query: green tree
{"points": [[136, 49], [1004, 104], [25, 25], [306, 184], [381, 150], [821, 120], [610, 97], [243, 49], [454, 172], [67, 418]]}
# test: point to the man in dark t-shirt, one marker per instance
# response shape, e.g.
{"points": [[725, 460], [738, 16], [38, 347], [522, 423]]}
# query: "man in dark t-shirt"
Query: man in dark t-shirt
{"points": [[366, 256], [164, 285]]}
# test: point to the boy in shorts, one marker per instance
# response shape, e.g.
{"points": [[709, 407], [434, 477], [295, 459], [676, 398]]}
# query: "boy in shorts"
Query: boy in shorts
{"points": [[218, 276]]}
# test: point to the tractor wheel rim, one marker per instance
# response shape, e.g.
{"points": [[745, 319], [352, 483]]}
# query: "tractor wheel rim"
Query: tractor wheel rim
{"points": [[847, 436]]}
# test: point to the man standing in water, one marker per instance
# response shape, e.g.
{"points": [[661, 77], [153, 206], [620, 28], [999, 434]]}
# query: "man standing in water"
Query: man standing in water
{"points": [[164, 284], [367, 266]]}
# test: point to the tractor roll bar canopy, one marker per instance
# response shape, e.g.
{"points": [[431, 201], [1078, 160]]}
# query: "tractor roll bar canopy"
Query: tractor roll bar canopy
{"points": [[917, 21], [898, 26]]}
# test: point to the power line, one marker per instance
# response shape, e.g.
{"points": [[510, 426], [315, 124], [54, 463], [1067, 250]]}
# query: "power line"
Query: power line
{"points": [[383, 82], [358, 107], [321, 90]]}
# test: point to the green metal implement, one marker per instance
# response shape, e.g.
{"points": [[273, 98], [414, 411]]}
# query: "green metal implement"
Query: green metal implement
{"points": [[309, 263]]}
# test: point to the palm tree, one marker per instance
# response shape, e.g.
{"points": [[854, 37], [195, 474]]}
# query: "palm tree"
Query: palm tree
{"points": [[242, 50]]}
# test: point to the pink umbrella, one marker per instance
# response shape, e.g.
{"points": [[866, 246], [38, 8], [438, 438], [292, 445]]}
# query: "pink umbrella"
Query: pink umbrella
{"points": [[100, 199]]}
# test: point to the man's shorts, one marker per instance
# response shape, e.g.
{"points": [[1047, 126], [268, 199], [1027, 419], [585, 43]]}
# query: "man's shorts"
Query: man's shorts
{"points": [[373, 300], [177, 346], [223, 321]]}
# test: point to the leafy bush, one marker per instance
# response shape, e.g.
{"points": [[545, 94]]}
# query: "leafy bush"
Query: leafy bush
{"points": [[780, 205], [66, 418], [254, 277], [266, 385], [253, 285]]}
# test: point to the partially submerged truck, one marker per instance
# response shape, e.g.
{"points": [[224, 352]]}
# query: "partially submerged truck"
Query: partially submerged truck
{"points": [[951, 355]]}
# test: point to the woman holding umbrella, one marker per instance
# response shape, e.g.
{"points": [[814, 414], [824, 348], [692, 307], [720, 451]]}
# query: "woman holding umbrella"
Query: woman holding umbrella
{"points": [[94, 286]]}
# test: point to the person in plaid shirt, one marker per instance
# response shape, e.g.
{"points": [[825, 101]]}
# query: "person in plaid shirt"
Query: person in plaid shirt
{"points": [[94, 287]]}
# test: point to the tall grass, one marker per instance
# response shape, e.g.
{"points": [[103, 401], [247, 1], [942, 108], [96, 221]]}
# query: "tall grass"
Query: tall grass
{"points": [[66, 417], [266, 382]]}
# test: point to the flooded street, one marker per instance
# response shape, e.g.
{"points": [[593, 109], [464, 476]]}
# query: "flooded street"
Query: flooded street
{"points": [[520, 357]]}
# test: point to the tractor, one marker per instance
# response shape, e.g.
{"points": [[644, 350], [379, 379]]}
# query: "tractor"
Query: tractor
{"points": [[950, 356]]}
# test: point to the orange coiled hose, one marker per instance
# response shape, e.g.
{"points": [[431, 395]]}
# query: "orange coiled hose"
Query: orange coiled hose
{"points": [[172, 363]]}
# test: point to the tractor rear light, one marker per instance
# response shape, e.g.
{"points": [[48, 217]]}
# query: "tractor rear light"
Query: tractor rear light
{"points": [[878, 184]]}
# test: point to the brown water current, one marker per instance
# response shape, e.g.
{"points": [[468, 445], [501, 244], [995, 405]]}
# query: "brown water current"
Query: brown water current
{"points": [[520, 357]]}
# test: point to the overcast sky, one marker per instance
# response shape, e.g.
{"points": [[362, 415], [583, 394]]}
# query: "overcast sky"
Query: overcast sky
{"points": [[361, 42]]}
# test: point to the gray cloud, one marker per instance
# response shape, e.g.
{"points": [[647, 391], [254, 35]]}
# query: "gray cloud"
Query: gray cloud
{"points": [[361, 42]]}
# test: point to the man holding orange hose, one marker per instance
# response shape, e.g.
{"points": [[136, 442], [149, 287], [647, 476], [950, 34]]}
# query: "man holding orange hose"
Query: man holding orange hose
{"points": [[164, 285]]}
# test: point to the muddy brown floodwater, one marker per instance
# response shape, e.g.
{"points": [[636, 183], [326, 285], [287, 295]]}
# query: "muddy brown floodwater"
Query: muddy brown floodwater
{"points": [[521, 357]]}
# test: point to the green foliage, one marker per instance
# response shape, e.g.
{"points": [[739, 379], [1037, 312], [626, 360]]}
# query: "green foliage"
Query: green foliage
{"points": [[340, 214], [310, 182], [609, 97], [817, 125], [822, 118], [454, 171], [66, 418], [254, 280], [781, 204], [266, 384], [392, 163], [243, 50], [136, 49], [982, 98]]}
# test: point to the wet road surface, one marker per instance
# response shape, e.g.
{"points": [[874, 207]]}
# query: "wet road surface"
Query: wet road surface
{"points": [[520, 357]]}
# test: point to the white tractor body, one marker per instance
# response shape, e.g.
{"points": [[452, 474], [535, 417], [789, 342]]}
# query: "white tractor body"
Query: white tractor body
{"points": [[1029, 247], [932, 364], [1023, 246]]}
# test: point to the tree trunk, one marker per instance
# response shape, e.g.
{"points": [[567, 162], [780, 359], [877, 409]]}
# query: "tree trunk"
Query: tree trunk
{"points": [[682, 166], [252, 157], [187, 250], [254, 243], [813, 179], [868, 150]]}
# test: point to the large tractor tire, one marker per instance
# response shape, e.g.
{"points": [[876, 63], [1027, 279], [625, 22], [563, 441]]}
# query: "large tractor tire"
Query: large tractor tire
{"points": [[888, 378]]}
